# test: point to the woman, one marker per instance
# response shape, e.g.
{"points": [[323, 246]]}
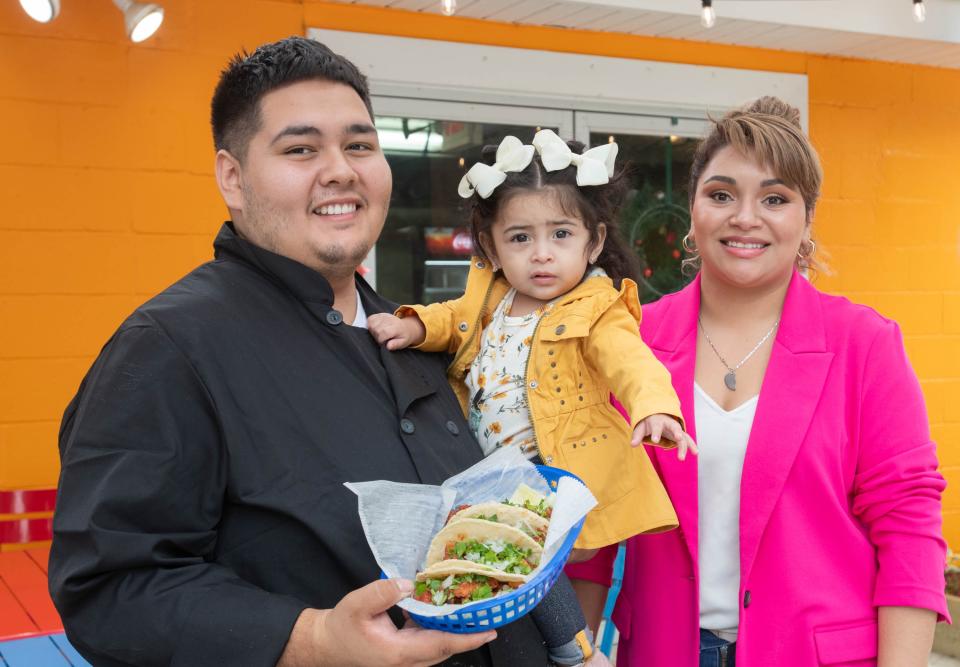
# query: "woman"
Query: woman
{"points": [[810, 522]]}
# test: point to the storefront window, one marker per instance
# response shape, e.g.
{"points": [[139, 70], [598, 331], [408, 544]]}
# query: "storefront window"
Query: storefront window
{"points": [[656, 216]]}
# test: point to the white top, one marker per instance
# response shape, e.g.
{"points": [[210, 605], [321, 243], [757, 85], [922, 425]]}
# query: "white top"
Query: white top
{"points": [[722, 440], [360, 319], [499, 411]]}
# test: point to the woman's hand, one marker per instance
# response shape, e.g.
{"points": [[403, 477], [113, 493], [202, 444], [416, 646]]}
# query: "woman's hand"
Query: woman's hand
{"points": [[581, 555], [396, 333], [658, 426]]}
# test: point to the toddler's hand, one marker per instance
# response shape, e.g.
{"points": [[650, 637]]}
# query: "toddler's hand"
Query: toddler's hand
{"points": [[396, 333], [659, 425]]}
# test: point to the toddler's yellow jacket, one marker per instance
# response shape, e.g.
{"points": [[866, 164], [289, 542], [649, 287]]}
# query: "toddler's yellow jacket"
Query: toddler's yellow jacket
{"points": [[586, 346]]}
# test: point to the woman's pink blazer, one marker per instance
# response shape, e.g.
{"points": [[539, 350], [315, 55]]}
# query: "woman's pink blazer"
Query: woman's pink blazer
{"points": [[839, 499]]}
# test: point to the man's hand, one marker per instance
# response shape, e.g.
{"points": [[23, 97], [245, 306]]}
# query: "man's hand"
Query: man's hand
{"points": [[358, 633], [396, 333], [658, 426]]}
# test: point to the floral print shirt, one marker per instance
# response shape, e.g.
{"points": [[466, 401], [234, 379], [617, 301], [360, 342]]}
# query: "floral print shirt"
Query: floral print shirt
{"points": [[499, 412]]}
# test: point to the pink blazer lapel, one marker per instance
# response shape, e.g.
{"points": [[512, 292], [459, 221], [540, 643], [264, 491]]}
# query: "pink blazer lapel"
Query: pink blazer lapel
{"points": [[674, 343], [791, 390]]}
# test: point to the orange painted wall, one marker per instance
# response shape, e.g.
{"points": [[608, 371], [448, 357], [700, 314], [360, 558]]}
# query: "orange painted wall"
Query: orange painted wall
{"points": [[106, 173]]}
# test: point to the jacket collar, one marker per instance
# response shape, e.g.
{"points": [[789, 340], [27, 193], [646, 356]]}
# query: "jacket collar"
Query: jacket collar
{"points": [[305, 283], [791, 390], [800, 330], [586, 289], [410, 379]]}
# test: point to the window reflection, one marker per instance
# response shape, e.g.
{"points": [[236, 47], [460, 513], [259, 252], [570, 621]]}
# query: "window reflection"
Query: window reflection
{"points": [[656, 216]]}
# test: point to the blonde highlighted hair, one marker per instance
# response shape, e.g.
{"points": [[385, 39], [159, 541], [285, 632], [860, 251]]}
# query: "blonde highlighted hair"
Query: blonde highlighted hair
{"points": [[767, 130]]}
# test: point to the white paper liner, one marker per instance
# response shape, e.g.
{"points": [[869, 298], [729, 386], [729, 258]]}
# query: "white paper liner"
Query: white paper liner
{"points": [[399, 520]]}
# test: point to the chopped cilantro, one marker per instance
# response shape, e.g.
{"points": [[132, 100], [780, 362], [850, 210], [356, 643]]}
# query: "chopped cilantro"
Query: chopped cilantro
{"points": [[482, 593]]}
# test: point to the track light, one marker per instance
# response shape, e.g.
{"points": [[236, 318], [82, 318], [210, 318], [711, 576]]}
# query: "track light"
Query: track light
{"points": [[141, 19], [449, 7], [919, 11], [708, 17], [43, 11]]}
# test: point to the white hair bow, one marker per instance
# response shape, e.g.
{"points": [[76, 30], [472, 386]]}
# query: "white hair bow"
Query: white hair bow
{"points": [[594, 167], [512, 155]]}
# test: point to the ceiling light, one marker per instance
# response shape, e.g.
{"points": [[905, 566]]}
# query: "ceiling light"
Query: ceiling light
{"points": [[449, 7], [141, 19], [708, 17], [919, 11], [43, 11]]}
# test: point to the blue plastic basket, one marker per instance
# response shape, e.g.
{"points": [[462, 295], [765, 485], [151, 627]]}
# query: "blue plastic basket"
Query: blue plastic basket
{"points": [[507, 608]]}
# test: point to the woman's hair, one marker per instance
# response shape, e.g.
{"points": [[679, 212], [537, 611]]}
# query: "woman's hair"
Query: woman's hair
{"points": [[768, 130], [593, 204]]}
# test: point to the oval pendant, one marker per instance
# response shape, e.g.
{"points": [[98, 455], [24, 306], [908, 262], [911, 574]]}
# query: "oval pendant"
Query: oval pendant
{"points": [[730, 379]]}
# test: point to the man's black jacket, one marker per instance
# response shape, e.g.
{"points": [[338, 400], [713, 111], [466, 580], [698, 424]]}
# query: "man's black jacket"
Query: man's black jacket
{"points": [[201, 503]]}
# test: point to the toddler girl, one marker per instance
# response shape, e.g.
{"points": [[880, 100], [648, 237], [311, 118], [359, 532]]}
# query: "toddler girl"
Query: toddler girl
{"points": [[546, 330]]}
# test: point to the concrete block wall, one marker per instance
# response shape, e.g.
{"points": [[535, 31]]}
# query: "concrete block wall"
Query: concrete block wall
{"points": [[106, 172]]}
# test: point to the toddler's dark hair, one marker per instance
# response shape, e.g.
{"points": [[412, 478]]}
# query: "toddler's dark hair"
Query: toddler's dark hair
{"points": [[593, 204]]}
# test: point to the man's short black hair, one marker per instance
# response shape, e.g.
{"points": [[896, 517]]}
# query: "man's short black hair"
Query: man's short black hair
{"points": [[235, 108]]}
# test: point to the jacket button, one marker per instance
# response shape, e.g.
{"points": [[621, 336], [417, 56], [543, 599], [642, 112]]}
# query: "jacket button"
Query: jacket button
{"points": [[334, 317], [407, 426], [481, 265], [463, 326], [533, 384], [560, 329], [453, 428], [746, 599]]}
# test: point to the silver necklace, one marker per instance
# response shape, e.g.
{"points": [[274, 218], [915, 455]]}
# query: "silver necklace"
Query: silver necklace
{"points": [[730, 379]]}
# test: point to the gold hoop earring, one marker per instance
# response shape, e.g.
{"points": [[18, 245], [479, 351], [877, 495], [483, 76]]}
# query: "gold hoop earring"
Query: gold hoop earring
{"points": [[804, 256], [689, 244]]}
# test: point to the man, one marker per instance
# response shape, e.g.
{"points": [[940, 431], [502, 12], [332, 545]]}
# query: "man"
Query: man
{"points": [[202, 518]]}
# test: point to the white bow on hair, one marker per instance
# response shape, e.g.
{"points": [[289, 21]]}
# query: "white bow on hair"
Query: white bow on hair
{"points": [[594, 167], [512, 155]]}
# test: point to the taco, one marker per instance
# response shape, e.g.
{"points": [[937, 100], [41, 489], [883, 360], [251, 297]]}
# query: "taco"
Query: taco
{"points": [[485, 550], [459, 584], [520, 518], [532, 501], [493, 547]]}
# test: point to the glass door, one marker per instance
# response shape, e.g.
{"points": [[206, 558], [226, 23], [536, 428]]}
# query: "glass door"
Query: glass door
{"points": [[659, 150], [423, 253]]}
